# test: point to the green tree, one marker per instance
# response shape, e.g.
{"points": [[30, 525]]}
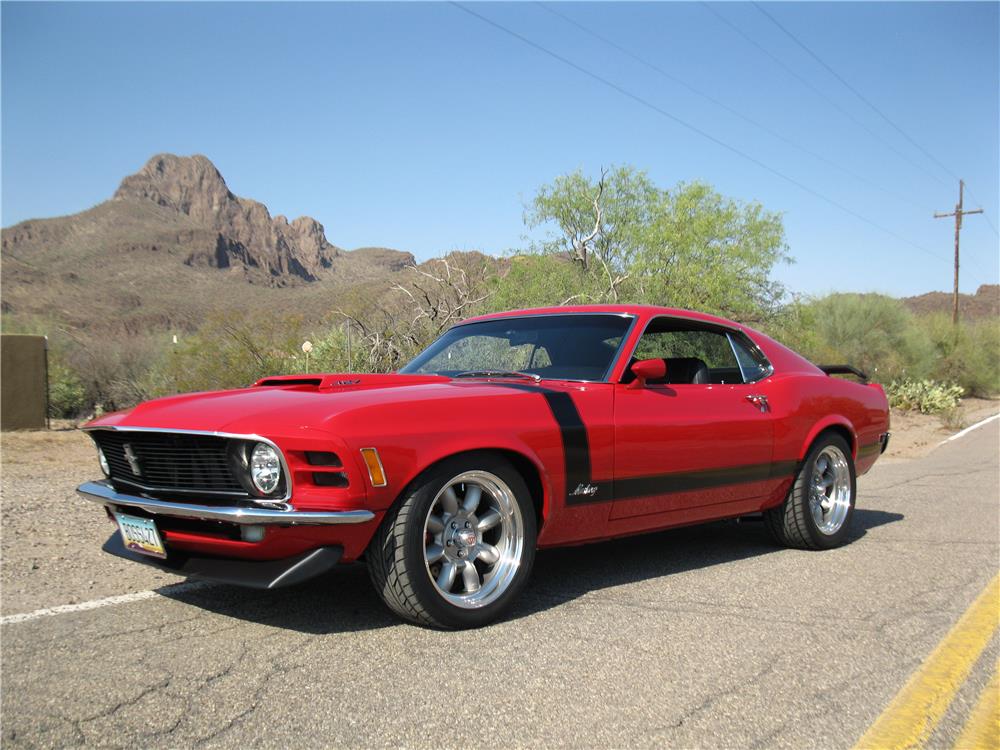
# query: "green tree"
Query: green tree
{"points": [[542, 280], [635, 242]]}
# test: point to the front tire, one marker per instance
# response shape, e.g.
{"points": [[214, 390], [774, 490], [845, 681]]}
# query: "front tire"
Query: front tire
{"points": [[458, 548], [818, 510]]}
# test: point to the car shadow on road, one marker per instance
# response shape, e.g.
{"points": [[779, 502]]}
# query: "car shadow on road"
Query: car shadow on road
{"points": [[344, 600], [561, 575]]}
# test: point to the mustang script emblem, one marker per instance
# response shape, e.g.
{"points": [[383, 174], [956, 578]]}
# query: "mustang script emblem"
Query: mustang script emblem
{"points": [[584, 489], [133, 460]]}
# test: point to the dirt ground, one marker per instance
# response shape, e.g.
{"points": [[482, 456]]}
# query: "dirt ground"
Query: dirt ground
{"points": [[50, 538], [915, 434]]}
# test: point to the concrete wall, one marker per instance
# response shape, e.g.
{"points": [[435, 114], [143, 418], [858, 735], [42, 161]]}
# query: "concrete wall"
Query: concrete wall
{"points": [[23, 382]]}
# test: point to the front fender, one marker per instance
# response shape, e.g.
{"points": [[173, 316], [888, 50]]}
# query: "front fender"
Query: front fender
{"points": [[404, 458]]}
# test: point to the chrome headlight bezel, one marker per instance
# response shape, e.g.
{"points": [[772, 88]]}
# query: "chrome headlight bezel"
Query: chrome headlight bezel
{"points": [[241, 463]]}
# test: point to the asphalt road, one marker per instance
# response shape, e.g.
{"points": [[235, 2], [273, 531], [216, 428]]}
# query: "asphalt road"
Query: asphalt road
{"points": [[703, 637]]}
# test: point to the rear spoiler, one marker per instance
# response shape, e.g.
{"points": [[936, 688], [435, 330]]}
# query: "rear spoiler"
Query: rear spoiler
{"points": [[844, 370]]}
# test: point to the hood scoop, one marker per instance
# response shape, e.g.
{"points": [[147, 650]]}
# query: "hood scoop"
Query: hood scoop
{"points": [[344, 380], [289, 381]]}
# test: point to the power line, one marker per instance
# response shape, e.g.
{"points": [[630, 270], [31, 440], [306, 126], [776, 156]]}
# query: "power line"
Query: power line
{"points": [[674, 118], [770, 131], [868, 102], [795, 74], [853, 90]]}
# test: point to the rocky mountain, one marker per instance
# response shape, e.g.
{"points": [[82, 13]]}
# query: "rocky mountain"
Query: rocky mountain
{"points": [[247, 235], [173, 245]]}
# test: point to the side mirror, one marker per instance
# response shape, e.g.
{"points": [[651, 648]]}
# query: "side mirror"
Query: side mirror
{"points": [[647, 369]]}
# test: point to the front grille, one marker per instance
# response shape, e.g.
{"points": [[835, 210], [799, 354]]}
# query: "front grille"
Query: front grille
{"points": [[168, 461]]}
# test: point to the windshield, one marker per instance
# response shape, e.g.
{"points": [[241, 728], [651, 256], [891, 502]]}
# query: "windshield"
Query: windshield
{"points": [[562, 347]]}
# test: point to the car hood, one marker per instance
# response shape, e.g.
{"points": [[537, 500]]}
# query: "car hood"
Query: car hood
{"points": [[294, 403]]}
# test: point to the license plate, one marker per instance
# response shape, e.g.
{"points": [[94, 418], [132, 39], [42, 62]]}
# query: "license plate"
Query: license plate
{"points": [[140, 535]]}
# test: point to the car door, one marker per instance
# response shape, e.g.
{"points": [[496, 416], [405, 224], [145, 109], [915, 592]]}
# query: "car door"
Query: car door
{"points": [[699, 444]]}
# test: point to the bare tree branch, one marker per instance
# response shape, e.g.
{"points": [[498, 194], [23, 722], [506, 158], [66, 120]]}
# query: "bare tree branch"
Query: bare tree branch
{"points": [[581, 245]]}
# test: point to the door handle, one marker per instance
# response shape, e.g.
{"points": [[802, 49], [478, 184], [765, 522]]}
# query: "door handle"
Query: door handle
{"points": [[760, 401]]}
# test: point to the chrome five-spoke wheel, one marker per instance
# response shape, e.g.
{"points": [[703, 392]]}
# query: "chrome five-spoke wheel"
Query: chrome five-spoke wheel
{"points": [[473, 539], [830, 490]]}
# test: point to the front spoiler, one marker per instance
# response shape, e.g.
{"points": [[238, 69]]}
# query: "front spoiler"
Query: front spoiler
{"points": [[257, 574], [106, 495]]}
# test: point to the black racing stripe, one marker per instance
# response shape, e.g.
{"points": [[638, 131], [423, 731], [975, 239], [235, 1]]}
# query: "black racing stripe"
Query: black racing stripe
{"points": [[576, 444], [688, 481]]}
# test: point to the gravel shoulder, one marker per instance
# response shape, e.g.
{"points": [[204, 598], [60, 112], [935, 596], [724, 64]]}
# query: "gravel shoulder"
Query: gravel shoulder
{"points": [[50, 538]]}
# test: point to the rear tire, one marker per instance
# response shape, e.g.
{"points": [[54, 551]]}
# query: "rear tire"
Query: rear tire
{"points": [[818, 510], [458, 548]]}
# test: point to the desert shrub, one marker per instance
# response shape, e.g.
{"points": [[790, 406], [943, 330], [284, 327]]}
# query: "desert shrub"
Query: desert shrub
{"points": [[389, 329], [925, 396], [331, 351], [967, 354], [952, 418], [67, 396], [795, 327], [231, 352], [115, 371], [870, 331]]}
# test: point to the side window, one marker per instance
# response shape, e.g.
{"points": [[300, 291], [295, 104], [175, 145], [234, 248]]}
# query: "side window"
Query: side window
{"points": [[752, 361], [693, 355]]}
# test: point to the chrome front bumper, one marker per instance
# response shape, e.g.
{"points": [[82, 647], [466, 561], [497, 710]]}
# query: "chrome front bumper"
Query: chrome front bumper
{"points": [[105, 494]]}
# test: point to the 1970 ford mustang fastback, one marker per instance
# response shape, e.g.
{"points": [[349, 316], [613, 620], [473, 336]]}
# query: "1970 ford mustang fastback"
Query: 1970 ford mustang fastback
{"points": [[513, 431]]}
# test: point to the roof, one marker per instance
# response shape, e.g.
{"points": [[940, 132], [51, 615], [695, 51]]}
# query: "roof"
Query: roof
{"points": [[642, 311]]}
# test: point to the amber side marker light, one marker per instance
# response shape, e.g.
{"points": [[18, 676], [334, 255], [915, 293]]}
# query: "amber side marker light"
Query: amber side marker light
{"points": [[375, 471]]}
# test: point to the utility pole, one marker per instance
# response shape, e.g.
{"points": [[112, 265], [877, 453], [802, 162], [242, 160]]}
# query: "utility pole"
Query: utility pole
{"points": [[958, 213]]}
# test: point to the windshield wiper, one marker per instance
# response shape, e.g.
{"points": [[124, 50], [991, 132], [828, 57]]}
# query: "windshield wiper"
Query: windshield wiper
{"points": [[498, 374]]}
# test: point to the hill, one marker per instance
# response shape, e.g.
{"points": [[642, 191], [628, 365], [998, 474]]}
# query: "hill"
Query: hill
{"points": [[172, 246], [985, 303]]}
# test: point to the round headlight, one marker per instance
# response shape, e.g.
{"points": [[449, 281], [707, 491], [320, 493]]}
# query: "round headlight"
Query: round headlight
{"points": [[265, 468], [103, 461]]}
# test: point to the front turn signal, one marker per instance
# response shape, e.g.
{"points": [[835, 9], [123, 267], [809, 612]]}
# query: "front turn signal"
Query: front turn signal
{"points": [[375, 471]]}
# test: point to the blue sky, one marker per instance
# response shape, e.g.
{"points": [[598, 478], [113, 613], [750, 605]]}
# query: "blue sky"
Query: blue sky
{"points": [[420, 127]]}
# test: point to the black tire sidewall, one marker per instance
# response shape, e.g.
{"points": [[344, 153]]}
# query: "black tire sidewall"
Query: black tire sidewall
{"points": [[821, 540], [422, 494]]}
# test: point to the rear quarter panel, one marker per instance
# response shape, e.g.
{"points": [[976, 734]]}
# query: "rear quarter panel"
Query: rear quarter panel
{"points": [[806, 401], [806, 405]]}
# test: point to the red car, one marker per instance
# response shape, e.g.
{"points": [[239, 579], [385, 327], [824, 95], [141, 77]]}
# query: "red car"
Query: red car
{"points": [[513, 431]]}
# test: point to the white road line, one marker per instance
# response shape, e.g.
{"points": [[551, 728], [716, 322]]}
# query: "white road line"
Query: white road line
{"points": [[138, 596], [969, 429]]}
